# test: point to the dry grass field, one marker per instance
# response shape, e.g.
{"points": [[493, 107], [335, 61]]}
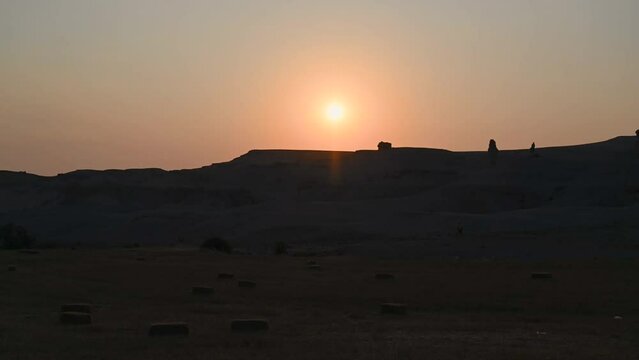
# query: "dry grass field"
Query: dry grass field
{"points": [[455, 309]]}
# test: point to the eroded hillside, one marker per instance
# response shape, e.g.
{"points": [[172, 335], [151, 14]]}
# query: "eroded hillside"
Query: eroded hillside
{"points": [[414, 199]]}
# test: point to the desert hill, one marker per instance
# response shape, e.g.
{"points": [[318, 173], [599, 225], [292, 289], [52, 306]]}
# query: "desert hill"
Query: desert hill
{"points": [[573, 200]]}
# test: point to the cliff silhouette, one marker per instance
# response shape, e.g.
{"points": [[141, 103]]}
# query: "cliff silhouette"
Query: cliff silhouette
{"points": [[563, 201]]}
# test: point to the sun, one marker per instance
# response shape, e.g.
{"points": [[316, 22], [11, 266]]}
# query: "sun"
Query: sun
{"points": [[334, 111]]}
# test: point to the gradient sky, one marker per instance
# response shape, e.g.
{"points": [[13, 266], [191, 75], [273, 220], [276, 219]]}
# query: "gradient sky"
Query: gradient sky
{"points": [[181, 84]]}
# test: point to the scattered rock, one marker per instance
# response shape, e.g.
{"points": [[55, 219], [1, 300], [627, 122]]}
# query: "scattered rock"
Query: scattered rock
{"points": [[393, 308], [78, 308], [314, 267], [11, 268], [249, 325], [169, 329], [225, 276], [384, 276], [29, 252], [217, 244], [246, 284], [202, 290], [541, 275], [75, 318]]}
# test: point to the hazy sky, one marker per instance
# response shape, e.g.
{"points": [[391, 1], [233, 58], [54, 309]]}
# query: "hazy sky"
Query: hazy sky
{"points": [[179, 84]]}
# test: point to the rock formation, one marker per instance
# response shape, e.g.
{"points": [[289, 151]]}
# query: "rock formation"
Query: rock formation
{"points": [[492, 151], [384, 146]]}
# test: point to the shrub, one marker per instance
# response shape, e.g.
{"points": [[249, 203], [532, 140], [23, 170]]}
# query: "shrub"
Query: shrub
{"points": [[280, 248], [15, 237], [217, 244]]}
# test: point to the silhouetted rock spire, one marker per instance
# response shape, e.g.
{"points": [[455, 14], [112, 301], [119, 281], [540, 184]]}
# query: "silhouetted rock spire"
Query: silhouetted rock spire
{"points": [[384, 146], [492, 151], [492, 146]]}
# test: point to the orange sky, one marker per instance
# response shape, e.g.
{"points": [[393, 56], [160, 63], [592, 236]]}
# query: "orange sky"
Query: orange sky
{"points": [[180, 84]]}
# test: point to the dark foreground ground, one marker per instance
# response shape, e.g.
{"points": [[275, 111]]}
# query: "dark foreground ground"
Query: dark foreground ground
{"points": [[456, 309]]}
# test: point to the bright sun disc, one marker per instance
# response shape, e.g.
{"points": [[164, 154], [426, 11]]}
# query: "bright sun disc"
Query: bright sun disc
{"points": [[335, 111]]}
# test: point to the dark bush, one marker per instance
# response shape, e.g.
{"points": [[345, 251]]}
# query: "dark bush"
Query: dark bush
{"points": [[280, 248], [217, 244], [15, 237]]}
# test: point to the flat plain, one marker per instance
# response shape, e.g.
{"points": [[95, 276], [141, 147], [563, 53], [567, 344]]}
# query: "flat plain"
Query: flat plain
{"points": [[456, 309]]}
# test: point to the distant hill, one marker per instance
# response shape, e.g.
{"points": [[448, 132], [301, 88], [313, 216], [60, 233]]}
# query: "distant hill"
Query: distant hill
{"points": [[573, 200]]}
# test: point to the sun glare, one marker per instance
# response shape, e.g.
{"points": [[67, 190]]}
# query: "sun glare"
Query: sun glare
{"points": [[335, 111]]}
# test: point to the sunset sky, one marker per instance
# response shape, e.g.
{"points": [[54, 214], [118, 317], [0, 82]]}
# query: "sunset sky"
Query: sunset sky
{"points": [[181, 84]]}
